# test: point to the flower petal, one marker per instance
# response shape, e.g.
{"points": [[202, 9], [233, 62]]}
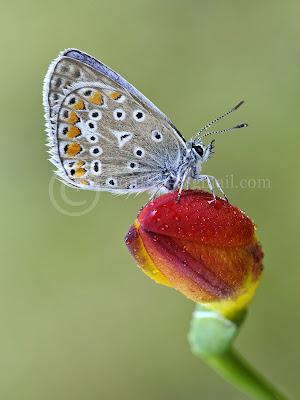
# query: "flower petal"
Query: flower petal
{"points": [[136, 247], [196, 217]]}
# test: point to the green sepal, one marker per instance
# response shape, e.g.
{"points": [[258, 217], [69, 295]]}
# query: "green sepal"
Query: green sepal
{"points": [[210, 333]]}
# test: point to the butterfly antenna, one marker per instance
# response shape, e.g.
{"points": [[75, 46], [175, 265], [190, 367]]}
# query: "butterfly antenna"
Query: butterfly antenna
{"points": [[205, 127], [243, 125]]}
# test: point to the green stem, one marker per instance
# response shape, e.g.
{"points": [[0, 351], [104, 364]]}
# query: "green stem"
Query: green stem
{"points": [[232, 367]]}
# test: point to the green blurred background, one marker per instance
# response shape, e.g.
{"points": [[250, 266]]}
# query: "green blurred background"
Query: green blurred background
{"points": [[78, 319]]}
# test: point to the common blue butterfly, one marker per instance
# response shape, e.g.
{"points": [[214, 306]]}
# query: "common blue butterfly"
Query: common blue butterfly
{"points": [[105, 135]]}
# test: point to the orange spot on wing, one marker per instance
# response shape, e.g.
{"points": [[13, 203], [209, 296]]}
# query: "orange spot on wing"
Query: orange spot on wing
{"points": [[72, 149], [115, 95], [79, 173], [73, 131], [72, 118], [96, 98], [79, 105], [83, 182], [79, 164]]}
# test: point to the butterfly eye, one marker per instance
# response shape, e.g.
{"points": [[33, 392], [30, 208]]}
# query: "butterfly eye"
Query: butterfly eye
{"points": [[199, 150], [119, 114], [156, 136], [138, 115]]}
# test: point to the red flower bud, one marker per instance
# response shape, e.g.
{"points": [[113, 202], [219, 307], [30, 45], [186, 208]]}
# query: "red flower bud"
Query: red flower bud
{"points": [[207, 250]]}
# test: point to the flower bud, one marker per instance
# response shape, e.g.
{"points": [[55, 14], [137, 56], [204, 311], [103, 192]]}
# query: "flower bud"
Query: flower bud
{"points": [[205, 249]]}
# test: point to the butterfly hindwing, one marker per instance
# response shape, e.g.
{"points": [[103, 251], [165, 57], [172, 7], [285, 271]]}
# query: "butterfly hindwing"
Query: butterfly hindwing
{"points": [[103, 134]]}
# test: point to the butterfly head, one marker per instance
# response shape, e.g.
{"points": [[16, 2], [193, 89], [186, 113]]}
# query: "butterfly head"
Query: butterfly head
{"points": [[201, 151]]}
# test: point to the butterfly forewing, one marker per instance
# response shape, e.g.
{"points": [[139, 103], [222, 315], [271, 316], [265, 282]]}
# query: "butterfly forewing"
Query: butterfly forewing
{"points": [[103, 135]]}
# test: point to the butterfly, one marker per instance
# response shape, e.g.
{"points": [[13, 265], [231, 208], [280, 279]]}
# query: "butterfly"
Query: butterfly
{"points": [[105, 135]]}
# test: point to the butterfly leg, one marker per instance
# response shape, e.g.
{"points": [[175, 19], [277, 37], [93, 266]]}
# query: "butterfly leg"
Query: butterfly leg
{"points": [[209, 179], [219, 188], [184, 177]]}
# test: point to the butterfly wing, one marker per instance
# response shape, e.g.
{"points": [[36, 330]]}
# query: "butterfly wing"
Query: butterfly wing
{"points": [[103, 133]]}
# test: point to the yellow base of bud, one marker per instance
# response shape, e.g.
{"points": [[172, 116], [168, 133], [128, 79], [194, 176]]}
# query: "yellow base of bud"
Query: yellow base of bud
{"points": [[233, 307]]}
